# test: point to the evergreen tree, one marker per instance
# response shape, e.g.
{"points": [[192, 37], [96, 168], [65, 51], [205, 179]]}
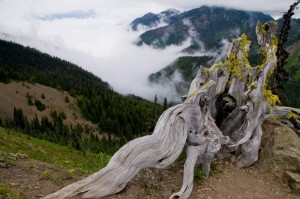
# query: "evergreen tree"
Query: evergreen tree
{"points": [[155, 100], [29, 100], [39, 105], [35, 125], [27, 129], [18, 118], [165, 106], [67, 99], [45, 124]]}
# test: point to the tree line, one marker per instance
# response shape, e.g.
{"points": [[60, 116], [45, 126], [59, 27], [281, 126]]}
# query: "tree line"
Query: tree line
{"points": [[53, 129]]}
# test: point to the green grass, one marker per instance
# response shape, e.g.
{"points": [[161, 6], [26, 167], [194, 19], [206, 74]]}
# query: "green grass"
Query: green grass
{"points": [[199, 175], [8, 193], [214, 167], [74, 161]]}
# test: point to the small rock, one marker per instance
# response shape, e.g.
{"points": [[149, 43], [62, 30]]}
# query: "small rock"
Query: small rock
{"points": [[293, 180], [286, 148], [206, 189]]}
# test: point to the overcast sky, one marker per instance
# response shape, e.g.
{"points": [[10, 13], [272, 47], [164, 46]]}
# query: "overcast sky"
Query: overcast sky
{"points": [[94, 34]]}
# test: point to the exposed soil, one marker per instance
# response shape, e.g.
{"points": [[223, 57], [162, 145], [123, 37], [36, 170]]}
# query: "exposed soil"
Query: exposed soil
{"points": [[37, 179], [34, 178], [15, 94]]}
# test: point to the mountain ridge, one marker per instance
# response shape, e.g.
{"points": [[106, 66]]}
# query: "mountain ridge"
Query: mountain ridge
{"points": [[202, 22]]}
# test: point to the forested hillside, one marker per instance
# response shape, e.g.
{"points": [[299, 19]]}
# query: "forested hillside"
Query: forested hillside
{"points": [[292, 86], [123, 116]]}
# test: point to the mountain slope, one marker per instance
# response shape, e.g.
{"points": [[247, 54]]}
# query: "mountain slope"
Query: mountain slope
{"points": [[291, 88], [16, 94], [28, 64], [205, 24], [180, 73], [294, 32]]}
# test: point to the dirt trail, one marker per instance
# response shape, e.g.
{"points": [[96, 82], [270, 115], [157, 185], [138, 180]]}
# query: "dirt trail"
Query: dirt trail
{"points": [[230, 182]]}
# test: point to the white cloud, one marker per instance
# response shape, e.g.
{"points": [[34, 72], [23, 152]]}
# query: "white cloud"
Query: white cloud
{"points": [[99, 41]]}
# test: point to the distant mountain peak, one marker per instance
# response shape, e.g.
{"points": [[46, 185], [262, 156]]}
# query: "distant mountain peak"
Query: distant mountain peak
{"points": [[171, 12], [151, 20], [149, 15]]}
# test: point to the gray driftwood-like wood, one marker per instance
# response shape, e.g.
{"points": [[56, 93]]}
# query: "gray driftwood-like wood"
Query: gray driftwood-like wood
{"points": [[221, 115]]}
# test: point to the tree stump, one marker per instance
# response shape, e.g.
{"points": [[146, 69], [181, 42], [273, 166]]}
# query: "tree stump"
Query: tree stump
{"points": [[220, 117]]}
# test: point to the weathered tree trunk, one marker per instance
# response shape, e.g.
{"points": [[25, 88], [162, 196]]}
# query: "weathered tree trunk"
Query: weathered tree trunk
{"points": [[153, 151], [232, 93]]}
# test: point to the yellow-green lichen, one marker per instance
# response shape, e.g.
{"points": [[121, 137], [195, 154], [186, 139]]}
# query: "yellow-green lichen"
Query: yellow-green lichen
{"points": [[274, 43], [217, 65], [264, 28], [238, 58], [194, 92], [253, 85], [244, 44], [266, 55], [203, 89], [292, 115], [207, 85], [271, 99]]}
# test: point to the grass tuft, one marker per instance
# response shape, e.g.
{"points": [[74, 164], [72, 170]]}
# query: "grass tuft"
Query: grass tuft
{"points": [[8, 193]]}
